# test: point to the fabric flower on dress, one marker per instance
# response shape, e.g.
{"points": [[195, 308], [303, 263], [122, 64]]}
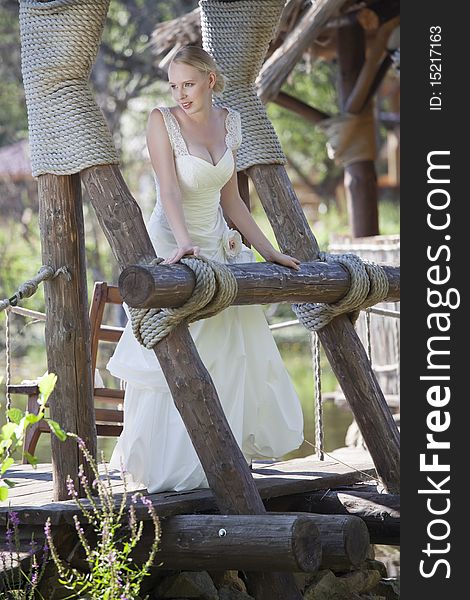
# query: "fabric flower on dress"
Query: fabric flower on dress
{"points": [[232, 243]]}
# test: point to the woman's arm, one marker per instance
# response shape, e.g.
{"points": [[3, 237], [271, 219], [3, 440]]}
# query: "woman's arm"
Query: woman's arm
{"points": [[237, 211], [163, 163]]}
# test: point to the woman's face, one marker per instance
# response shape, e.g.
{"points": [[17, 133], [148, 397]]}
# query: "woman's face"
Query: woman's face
{"points": [[191, 89]]}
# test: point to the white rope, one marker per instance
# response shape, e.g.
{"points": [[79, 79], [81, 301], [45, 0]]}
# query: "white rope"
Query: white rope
{"points": [[369, 286], [59, 43], [237, 35], [216, 288], [319, 431]]}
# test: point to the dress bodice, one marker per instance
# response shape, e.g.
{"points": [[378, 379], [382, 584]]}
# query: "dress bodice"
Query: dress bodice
{"points": [[200, 183]]}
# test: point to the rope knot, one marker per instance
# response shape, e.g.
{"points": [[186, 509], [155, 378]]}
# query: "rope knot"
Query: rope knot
{"points": [[216, 288], [369, 286]]}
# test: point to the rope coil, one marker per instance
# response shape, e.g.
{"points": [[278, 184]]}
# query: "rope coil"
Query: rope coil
{"points": [[30, 286], [59, 44], [237, 35], [369, 286], [216, 288]]}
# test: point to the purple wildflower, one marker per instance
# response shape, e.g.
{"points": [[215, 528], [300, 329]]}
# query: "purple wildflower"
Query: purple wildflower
{"points": [[47, 528], [14, 518], [71, 487], [81, 443]]}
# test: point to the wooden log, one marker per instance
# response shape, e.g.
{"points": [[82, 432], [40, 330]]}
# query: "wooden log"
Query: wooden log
{"points": [[246, 542], [309, 113], [360, 178], [258, 283], [357, 97], [380, 512], [67, 332], [344, 350], [277, 68], [192, 389]]}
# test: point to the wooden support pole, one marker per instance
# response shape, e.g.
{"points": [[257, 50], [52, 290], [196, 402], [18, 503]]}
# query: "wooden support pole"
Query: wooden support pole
{"points": [[309, 113], [258, 283], [278, 66], [344, 350], [380, 512], [67, 331], [193, 391], [360, 178], [245, 542]]}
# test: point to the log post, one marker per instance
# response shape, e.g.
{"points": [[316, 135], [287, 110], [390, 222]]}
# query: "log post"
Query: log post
{"points": [[344, 350], [190, 384], [258, 283], [67, 331], [360, 178], [243, 542], [380, 512]]}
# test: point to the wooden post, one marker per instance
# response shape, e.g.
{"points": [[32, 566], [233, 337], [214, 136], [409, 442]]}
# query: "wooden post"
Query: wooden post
{"points": [[67, 324], [360, 178], [258, 283], [243, 542], [380, 512], [193, 391], [344, 350]]}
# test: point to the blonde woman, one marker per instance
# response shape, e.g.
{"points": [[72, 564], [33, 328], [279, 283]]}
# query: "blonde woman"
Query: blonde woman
{"points": [[192, 147]]}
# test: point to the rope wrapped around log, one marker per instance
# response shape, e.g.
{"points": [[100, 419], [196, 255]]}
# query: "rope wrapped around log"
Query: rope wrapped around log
{"points": [[351, 138], [59, 44], [215, 289], [237, 35], [369, 286]]}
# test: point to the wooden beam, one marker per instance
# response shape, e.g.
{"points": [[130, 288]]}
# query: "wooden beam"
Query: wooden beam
{"points": [[67, 332], [360, 178], [193, 391], [309, 113], [344, 350], [380, 512], [258, 283], [244, 542], [277, 68]]}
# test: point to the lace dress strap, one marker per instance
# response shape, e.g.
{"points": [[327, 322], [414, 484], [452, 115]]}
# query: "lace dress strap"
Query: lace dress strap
{"points": [[174, 133], [233, 125]]}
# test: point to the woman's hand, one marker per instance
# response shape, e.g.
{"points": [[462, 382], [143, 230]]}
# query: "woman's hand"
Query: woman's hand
{"points": [[283, 259], [180, 252]]}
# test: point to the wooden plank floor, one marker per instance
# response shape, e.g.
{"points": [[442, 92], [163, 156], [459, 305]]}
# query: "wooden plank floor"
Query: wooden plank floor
{"points": [[32, 495]]}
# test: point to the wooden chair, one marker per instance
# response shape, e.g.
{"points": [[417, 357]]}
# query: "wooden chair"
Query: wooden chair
{"points": [[108, 420]]}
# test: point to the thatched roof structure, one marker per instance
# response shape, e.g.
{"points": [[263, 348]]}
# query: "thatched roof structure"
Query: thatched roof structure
{"points": [[169, 36]]}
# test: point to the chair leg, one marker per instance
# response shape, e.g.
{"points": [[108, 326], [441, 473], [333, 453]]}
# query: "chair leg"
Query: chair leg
{"points": [[33, 432]]}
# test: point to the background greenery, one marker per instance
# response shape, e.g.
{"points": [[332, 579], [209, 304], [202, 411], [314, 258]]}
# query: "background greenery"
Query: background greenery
{"points": [[127, 85]]}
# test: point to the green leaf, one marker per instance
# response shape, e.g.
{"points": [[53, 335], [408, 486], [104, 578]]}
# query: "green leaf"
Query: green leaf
{"points": [[29, 419], [46, 385], [15, 415], [7, 464], [8, 430], [33, 460], [3, 493], [57, 429], [9, 483]]}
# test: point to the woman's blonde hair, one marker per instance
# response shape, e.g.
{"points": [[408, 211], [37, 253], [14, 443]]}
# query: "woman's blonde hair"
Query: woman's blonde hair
{"points": [[197, 57]]}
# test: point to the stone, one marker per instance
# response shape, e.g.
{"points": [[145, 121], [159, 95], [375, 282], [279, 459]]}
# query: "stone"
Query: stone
{"points": [[362, 581], [389, 588], [326, 586], [229, 593], [376, 565], [228, 578], [188, 584]]}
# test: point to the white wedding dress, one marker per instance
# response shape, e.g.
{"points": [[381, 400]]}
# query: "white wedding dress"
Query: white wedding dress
{"points": [[236, 346]]}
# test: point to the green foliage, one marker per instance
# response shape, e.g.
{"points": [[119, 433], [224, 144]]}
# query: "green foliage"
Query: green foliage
{"points": [[12, 434], [112, 573], [301, 142], [17, 584]]}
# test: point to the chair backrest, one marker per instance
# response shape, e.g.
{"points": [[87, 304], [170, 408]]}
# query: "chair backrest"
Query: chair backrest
{"points": [[103, 294]]}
